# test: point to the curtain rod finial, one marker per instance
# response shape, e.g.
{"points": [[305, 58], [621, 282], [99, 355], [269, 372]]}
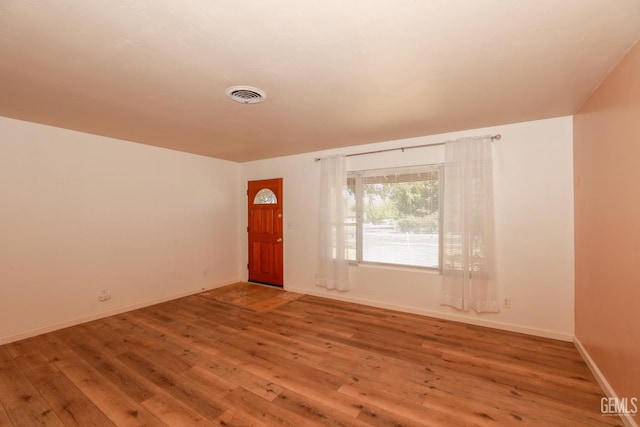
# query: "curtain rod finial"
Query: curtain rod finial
{"points": [[497, 137]]}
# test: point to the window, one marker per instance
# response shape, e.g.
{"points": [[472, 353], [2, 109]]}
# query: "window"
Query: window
{"points": [[394, 216], [265, 197]]}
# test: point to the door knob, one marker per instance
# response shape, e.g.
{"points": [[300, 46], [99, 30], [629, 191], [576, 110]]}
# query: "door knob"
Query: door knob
{"points": [[279, 239]]}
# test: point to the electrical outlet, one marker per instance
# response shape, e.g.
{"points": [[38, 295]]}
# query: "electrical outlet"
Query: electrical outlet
{"points": [[104, 295], [506, 303]]}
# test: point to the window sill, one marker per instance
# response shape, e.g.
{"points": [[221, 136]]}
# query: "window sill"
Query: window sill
{"points": [[409, 268]]}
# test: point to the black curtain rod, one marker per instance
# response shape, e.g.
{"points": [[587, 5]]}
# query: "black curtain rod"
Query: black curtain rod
{"points": [[495, 137]]}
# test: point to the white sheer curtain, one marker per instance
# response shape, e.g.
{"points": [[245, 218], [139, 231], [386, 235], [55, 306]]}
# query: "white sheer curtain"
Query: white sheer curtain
{"points": [[333, 265], [468, 232]]}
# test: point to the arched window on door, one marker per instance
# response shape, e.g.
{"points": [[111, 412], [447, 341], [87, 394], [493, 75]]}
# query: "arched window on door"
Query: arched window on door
{"points": [[265, 197]]}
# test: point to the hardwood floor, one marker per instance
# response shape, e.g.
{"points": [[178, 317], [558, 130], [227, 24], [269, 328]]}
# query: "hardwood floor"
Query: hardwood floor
{"points": [[252, 355]]}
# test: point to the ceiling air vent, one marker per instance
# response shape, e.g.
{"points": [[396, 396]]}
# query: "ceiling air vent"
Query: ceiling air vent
{"points": [[246, 94]]}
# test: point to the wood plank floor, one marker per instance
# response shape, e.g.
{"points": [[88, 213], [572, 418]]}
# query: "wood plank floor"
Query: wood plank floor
{"points": [[252, 355]]}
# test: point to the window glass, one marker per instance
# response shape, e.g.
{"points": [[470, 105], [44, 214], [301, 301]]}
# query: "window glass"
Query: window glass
{"points": [[265, 197], [395, 216]]}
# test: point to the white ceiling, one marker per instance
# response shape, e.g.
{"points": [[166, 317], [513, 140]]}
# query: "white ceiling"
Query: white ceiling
{"points": [[336, 72]]}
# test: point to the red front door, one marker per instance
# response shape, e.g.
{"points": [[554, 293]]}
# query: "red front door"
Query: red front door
{"points": [[265, 231]]}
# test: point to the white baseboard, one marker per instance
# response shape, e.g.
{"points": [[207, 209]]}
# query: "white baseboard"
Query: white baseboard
{"points": [[50, 328], [628, 420], [341, 296]]}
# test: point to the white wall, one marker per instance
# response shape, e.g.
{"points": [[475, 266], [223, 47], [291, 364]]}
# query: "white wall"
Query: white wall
{"points": [[534, 226], [80, 213]]}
